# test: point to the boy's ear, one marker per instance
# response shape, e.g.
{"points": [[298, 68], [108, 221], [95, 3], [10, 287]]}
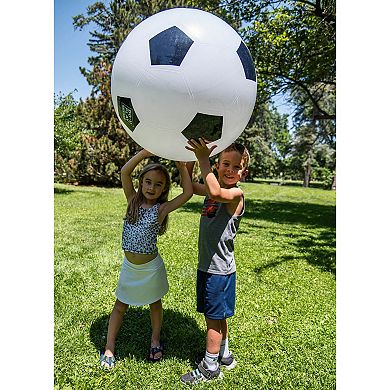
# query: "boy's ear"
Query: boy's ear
{"points": [[244, 174]]}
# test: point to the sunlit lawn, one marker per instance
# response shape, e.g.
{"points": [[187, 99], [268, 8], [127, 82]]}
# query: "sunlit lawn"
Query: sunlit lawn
{"points": [[283, 332]]}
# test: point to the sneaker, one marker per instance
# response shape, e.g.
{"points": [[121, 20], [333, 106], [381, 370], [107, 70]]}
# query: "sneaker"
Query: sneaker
{"points": [[107, 362], [228, 362], [201, 374]]}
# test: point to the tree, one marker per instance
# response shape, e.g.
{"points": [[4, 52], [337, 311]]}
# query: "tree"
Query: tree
{"points": [[293, 46], [313, 136], [67, 135], [107, 147], [268, 140]]}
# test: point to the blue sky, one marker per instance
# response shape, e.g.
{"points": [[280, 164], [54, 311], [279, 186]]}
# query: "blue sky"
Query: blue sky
{"points": [[70, 48]]}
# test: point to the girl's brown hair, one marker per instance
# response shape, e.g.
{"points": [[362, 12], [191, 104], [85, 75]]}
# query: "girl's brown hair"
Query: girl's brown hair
{"points": [[135, 203]]}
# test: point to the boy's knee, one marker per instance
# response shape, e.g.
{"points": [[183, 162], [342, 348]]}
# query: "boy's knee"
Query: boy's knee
{"points": [[213, 324]]}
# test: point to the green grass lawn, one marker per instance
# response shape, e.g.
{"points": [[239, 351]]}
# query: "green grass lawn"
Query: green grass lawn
{"points": [[283, 333]]}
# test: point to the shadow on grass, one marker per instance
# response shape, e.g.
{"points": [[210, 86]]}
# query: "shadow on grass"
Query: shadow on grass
{"points": [[325, 259], [291, 213], [181, 334], [317, 249], [281, 212], [62, 191], [75, 190]]}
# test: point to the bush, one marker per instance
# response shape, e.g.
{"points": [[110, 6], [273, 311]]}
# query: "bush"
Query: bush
{"points": [[324, 175], [67, 142]]}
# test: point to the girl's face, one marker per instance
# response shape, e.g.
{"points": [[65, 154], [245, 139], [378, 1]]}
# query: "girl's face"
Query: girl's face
{"points": [[230, 169], [153, 184]]}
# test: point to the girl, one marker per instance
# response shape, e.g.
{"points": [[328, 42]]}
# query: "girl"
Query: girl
{"points": [[143, 278]]}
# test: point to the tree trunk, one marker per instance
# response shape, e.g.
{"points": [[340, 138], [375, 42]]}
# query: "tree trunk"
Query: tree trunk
{"points": [[306, 180], [308, 169], [334, 183]]}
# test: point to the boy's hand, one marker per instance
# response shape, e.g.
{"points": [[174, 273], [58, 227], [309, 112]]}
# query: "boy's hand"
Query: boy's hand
{"points": [[200, 148]]}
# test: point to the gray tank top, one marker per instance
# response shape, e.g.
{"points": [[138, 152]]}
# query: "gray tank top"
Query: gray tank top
{"points": [[217, 231]]}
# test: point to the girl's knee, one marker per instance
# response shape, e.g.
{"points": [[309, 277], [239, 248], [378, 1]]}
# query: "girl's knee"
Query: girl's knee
{"points": [[120, 307], [156, 305]]}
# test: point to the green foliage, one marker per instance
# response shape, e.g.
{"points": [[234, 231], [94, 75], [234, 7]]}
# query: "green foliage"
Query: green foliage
{"points": [[268, 141], [293, 45], [325, 175], [67, 136], [283, 333], [66, 125], [314, 140], [107, 147]]}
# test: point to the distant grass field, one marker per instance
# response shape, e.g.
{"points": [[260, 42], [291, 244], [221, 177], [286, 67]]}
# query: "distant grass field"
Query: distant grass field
{"points": [[283, 333]]}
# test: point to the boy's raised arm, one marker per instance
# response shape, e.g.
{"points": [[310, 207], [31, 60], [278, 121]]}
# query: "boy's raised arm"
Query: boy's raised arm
{"points": [[212, 186]]}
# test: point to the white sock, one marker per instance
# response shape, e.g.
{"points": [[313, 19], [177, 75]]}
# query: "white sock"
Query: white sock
{"points": [[224, 350], [212, 360]]}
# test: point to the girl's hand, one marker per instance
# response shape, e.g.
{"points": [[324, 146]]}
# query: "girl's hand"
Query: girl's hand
{"points": [[200, 148], [180, 164], [146, 153], [190, 165]]}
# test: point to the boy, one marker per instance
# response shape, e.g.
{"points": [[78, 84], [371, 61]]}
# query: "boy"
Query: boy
{"points": [[216, 278]]}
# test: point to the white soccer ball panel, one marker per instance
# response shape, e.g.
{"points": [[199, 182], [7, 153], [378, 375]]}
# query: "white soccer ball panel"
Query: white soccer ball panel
{"points": [[206, 67], [158, 97], [172, 147]]}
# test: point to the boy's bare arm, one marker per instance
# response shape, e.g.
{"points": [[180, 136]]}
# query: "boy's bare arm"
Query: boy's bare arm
{"points": [[212, 187]]}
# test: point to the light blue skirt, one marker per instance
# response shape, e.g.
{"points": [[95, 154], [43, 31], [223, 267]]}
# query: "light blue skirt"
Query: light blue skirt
{"points": [[142, 284]]}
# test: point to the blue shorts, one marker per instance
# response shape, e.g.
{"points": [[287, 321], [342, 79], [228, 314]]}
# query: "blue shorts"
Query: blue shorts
{"points": [[215, 295]]}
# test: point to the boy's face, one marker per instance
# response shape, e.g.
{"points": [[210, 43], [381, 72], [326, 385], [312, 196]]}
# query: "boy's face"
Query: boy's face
{"points": [[230, 167]]}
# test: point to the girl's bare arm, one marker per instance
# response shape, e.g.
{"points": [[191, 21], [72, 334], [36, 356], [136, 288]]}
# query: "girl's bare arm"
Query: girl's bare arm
{"points": [[127, 170]]}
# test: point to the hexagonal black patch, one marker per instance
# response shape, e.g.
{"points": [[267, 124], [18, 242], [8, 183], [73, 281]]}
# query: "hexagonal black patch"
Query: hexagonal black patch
{"points": [[169, 47], [206, 126], [246, 61], [127, 113]]}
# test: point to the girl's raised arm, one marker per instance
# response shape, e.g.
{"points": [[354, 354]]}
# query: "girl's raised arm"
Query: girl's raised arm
{"points": [[198, 188], [186, 184], [127, 170]]}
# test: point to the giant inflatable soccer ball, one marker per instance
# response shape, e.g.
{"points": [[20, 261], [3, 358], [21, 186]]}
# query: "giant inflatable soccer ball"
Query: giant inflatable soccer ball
{"points": [[181, 74]]}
